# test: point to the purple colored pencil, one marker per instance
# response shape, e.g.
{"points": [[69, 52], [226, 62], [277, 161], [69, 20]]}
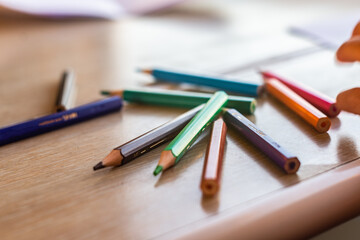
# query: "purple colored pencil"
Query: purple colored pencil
{"points": [[287, 161]]}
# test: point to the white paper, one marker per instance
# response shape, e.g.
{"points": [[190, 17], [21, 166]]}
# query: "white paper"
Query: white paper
{"points": [[84, 8], [330, 32]]}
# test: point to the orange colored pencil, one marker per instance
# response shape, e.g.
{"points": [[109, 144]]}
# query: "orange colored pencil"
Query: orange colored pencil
{"points": [[299, 105], [210, 180], [319, 100]]}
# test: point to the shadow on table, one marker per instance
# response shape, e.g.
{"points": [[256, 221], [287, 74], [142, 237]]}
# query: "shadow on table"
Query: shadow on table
{"points": [[346, 149]]}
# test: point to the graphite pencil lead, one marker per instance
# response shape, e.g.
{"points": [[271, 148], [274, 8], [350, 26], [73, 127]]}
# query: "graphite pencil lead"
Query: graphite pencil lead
{"points": [[98, 166], [119, 93], [105, 92], [158, 170]]}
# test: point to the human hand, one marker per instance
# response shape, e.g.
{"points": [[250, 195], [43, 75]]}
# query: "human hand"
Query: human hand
{"points": [[350, 50], [349, 100]]}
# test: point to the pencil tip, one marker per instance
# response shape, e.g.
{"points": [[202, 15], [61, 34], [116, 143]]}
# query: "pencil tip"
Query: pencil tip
{"points": [[98, 166], [104, 92], [253, 106], [144, 70], [158, 169]]}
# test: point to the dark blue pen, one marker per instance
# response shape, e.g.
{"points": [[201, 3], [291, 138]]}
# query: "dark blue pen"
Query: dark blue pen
{"points": [[55, 121], [226, 84]]}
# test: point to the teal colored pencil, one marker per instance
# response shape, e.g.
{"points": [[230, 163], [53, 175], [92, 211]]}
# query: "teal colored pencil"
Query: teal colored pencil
{"points": [[225, 84], [182, 142]]}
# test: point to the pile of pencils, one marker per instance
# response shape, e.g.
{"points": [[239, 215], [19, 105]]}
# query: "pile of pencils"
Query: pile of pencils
{"points": [[220, 110]]}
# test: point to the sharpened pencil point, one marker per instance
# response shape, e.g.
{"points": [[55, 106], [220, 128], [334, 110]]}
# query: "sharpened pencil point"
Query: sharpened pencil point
{"points": [[104, 92], [253, 106], [144, 70], [158, 169], [98, 166]]}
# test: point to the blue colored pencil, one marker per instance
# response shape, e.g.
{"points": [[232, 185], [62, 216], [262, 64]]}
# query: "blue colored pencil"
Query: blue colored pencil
{"points": [[230, 85], [287, 161], [54, 121]]}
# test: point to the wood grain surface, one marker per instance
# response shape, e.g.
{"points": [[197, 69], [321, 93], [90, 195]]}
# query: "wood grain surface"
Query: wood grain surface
{"points": [[48, 189]]}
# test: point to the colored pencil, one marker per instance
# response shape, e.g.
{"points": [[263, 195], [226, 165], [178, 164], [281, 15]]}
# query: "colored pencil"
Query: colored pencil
{"points": [[324, 103], [58, 120], [171, 98], [299, 105], [182, 142], [210, 180], [285, 160], [148, 141], [226, 84], [65, 97]]}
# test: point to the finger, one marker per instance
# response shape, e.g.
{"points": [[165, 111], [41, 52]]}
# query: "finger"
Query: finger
{"points": [[349, 100], [356, 30], [349, 51]]}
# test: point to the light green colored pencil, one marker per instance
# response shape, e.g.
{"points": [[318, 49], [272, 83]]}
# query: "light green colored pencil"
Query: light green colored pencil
{"points": [[182, 142]]}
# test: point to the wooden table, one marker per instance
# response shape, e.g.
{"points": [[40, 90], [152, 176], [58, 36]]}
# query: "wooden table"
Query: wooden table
{"points": [[47, 186]]}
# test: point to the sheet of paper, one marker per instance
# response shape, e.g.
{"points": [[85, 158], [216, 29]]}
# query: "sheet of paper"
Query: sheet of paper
{"points": [[84, 8], [330, 32]]}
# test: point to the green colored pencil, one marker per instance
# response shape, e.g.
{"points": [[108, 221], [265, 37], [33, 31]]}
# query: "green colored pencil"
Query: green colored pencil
{"points": [[182, 142], [171, 98]]}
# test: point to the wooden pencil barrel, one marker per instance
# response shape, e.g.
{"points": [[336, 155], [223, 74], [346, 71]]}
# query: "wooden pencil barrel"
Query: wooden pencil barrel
{"points": [[210, 180]]}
